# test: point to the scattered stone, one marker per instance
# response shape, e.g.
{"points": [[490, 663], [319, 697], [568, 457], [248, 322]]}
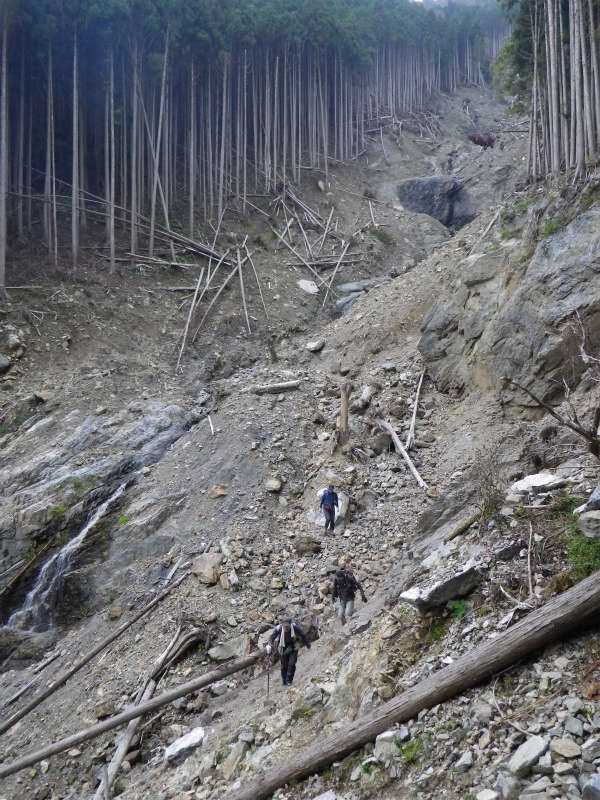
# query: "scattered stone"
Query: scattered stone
{"points": [[115, 612], [310, 287], [206, 567], [591, 790], [465, 762], [540, 482], [589, 524], [316, 346], [273, 485], [4, 364], [329, 795], [182, 747], [574, 726], [487, 794], [566, 748], [526, 755], [238, 752], [234, 648], [593, 502], [307, 544], [217, 491], [385, 746], [104, 709], [43, 397], [507, 786]]}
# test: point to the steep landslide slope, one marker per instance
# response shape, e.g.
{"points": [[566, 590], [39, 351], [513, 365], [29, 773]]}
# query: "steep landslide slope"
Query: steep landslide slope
{"points": [[243, 487]]}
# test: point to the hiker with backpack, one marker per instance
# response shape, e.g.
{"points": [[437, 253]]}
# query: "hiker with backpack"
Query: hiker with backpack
{"points": [[286, 634], [345, 587], [329, 502]]}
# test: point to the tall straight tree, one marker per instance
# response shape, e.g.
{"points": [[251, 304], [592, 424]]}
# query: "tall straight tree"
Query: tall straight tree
{"points": [[3, 152], [75, 167]]}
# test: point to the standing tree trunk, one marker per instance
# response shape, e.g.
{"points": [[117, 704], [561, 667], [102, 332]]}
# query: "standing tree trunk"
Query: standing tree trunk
{"points": [[157, 149], [133, 239], [192, 151], [111, 212], [75, 179], [3, 156]]}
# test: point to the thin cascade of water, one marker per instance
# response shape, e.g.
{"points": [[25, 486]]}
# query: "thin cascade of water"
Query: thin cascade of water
{"points": [[36, 613]]}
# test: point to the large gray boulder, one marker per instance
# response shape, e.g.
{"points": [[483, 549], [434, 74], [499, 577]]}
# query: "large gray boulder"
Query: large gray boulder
{"points": [[443, 198], [425, 598], [181, 748], [504, 316]]}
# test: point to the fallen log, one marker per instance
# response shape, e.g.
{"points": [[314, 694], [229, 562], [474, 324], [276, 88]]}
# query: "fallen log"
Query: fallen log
{"points": [[131, 713], [413, 421], [272, 388], [64, 677], [177, 647], [558, 618], [462, 526], [400, 448]]}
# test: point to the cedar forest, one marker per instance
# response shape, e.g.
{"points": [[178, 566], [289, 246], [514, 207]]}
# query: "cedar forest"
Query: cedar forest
{"points": [[149, 117]]}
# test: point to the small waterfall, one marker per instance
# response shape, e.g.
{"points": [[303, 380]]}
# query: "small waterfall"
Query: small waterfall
{"points": [[40, 602]]}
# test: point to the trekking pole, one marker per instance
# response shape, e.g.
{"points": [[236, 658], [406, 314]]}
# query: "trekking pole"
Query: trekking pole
{"points": [[268, 666]]}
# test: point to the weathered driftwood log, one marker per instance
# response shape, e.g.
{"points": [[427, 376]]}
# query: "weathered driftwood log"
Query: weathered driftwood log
{"points": [[131, 713], [400, 448], [560, 617], [272, 388], [58, 682]]}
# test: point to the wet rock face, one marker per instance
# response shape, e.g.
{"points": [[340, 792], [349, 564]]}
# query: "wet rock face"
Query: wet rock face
{"points": [[55, 471], [445, 199], [505, 317]]}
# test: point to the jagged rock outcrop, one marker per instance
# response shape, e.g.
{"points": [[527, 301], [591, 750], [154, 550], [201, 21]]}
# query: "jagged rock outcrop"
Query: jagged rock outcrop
{"points": [[506, 315]]}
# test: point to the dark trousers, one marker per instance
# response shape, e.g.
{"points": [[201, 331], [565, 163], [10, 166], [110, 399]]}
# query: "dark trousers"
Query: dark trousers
{"points": [[288, 666], [329, 518]]}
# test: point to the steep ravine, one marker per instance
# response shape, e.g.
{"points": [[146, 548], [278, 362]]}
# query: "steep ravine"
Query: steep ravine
{"points": [[393, 536]]}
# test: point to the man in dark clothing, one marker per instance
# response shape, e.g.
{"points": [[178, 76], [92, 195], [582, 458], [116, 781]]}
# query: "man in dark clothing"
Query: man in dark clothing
{"points": [[345, 587], [329, 502], [286, 636]]}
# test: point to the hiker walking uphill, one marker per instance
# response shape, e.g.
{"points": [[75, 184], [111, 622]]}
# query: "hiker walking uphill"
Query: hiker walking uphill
{"points": [[345, 587], [286, 635], [329, 502]]}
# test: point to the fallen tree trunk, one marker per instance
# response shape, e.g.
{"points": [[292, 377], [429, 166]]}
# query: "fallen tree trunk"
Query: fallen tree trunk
{"points": [[58, 682], [272, 388], [558, 618], [131, 713], [176, 648], [400, 448]]}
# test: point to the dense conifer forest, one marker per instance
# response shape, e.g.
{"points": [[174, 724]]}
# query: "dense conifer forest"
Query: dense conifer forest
{"points": [[148, 116], [551, 63]]}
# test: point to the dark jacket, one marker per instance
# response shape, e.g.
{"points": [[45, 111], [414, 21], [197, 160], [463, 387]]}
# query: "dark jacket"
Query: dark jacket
{"points": [[289, 640], [346, 586], [329, 499]]}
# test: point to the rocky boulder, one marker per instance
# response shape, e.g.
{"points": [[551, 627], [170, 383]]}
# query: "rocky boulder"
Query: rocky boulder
{"points": [[234, 648], [425, 598], [206, 567], [443, 198], [181, 748], [315, 515]]}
